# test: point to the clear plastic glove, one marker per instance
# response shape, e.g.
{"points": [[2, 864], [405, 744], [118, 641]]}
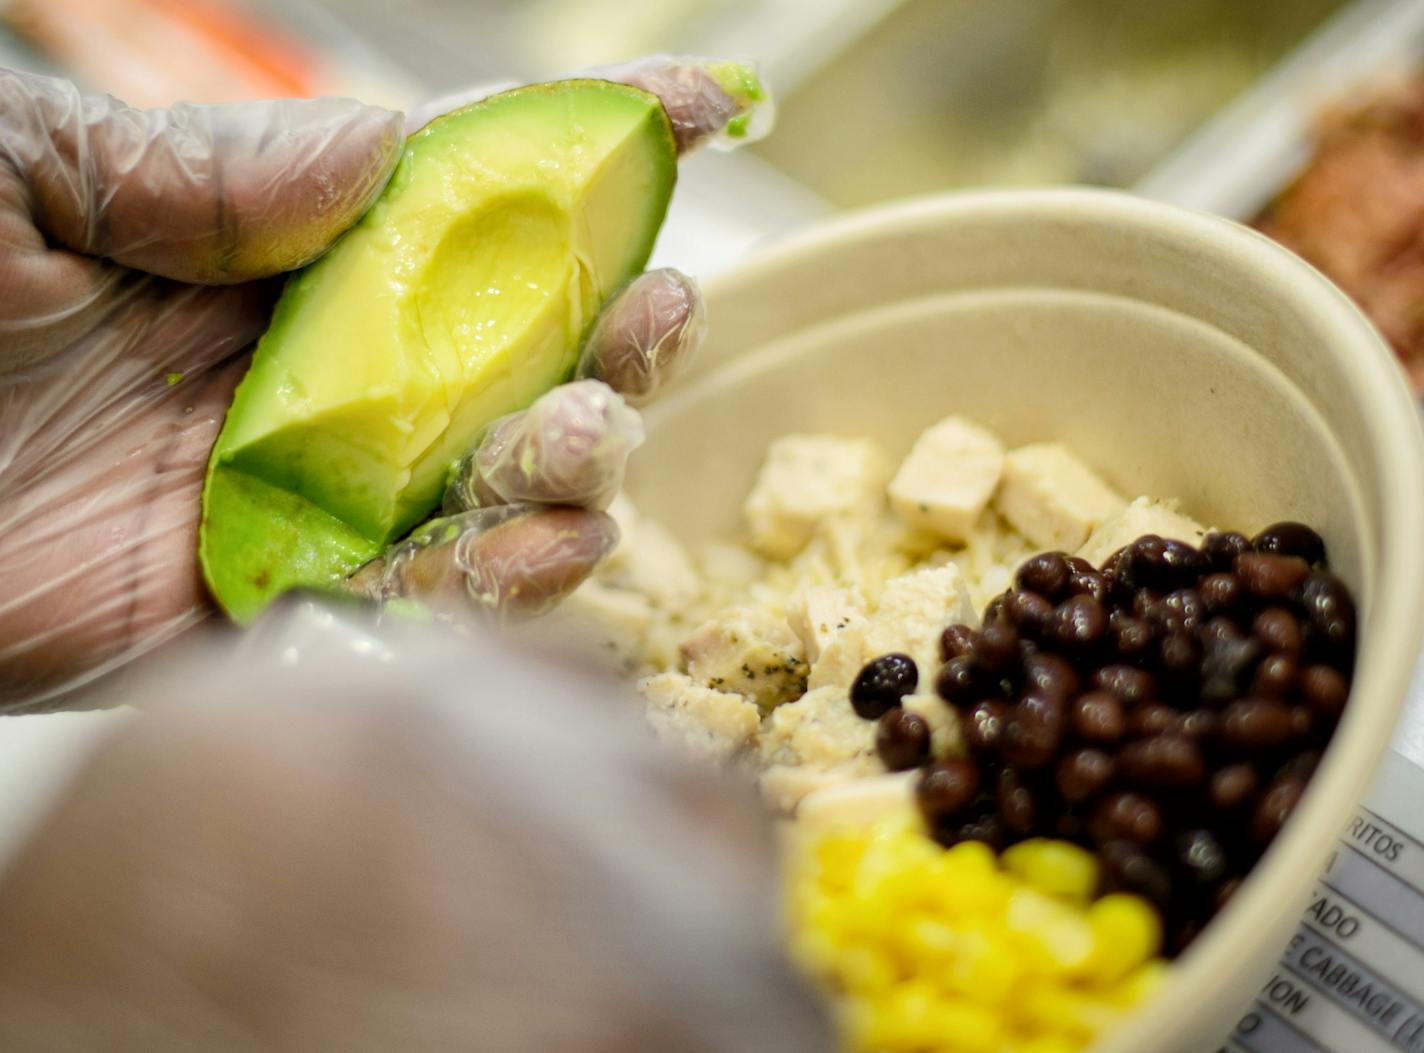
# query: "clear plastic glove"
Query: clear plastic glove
{"points": [[390, 845], [137, 252]]}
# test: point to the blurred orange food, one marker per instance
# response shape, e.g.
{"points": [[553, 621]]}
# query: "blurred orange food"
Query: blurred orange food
{"points": [[1357, 212], [157, 52]]}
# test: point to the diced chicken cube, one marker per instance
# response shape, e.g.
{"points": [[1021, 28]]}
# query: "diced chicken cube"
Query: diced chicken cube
{"points": [[1052, 498], [711, 724], [914, 610], [857, 803], [1143, 516], [817, 614], [806, 480], [841, 659], [945, 483], [814, 742], [818, 730], [784, 786], [750, 651]]}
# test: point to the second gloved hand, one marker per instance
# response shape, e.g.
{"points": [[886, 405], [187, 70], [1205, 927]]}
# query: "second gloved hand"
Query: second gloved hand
{"points": [[137, 257]]}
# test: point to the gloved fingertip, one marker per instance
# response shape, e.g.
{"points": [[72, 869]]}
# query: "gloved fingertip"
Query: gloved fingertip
{"points": [[707, 101], [507, 562], [571, 447], [646, 334]]}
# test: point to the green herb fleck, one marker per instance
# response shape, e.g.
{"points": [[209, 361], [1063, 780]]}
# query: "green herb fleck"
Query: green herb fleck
{"points": [[173, 379]]}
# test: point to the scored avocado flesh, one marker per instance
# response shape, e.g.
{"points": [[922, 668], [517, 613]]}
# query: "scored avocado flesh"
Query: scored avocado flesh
{"points": [[461, 296]]}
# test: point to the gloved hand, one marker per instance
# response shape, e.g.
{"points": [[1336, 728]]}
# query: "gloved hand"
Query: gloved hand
{"points": [[467, 848], [137, 252]]}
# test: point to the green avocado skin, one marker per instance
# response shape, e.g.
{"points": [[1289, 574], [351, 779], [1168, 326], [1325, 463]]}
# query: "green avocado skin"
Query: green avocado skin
{"points": [[461, 296]]}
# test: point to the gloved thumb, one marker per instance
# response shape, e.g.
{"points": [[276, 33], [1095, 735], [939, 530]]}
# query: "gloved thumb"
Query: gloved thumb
{"points": [[205, 194]]}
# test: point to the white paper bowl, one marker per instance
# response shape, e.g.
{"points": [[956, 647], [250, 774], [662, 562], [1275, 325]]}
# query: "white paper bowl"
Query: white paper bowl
{"points": [[1180, 354]]}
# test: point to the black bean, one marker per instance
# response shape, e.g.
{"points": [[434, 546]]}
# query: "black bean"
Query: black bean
{"points": [[955, 641], [882, 683], [1256, 724], [1029, 611], [1269, 578], [1278, 631], [1220, 627], [996, 607], [1232, 787], [1131, 638], [946, 788], [902, 739], [1180, 658], [1079, 565], [1226, 667], [1046, 574], [1275, 808], [1097, 716], [1126, 817], [1050, 676], [1221, 550], [997, 646], [1145, 603], [1200, 725], [986, 828], [1275, 677], [1324, 690], [1018, 810], [1111, 564], [960, 682], [1127, 868], [983, 725], [1128, 683], [1069, 824], [1291, 539], [1221, 593], [1078, 624], [1143, 564], [1091, 583], [1170, 761], [1083, 774], [1183, 563], [1201, 859], [1032, 732], [1302, 765], [1183, 608], [1153, 718], [1330, 616]]}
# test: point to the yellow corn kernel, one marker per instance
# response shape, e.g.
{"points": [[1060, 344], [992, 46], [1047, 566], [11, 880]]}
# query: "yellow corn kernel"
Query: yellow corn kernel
{"points": [[1139, 985], [1049, 1008], [1126, 933], [1055, 867], [915, 1017], [864, 970], [927, 950], [1055, 935], [982, 968], [1046, 1043]]}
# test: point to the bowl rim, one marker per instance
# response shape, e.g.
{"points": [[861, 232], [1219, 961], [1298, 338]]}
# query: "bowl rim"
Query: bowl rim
{"points": [[1210, 972]]}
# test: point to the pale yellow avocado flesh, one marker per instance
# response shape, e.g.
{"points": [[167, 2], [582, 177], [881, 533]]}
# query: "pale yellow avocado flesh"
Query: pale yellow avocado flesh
{"points": [[461, 296]]}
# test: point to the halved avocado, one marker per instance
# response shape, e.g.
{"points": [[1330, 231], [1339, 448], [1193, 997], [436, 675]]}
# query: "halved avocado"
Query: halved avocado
{"points": [[461, 296]]}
